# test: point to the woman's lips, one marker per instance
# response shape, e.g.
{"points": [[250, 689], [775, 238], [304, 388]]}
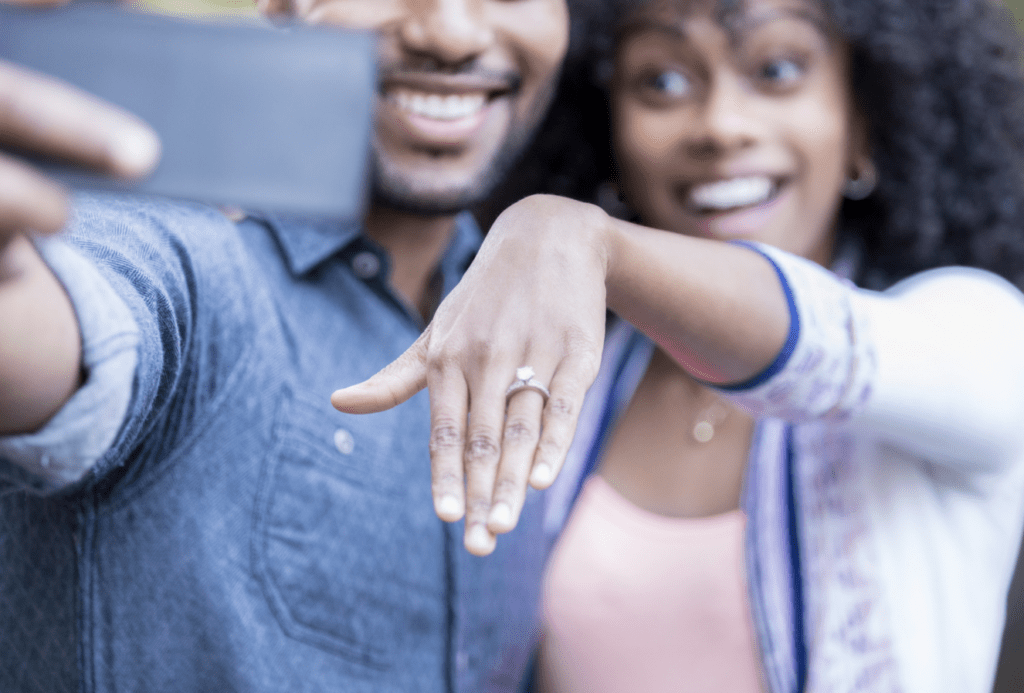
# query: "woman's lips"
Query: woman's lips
{"points": [[738, 207]]}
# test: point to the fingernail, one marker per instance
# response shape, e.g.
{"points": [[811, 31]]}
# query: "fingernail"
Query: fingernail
{"points": [[135, 151], [478, 539], [338, 399], [501, 515], [449, 506], [541, 475]]}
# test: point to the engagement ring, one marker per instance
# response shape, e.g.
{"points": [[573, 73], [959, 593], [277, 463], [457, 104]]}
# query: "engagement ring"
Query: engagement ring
{"points": [[525, 381]]}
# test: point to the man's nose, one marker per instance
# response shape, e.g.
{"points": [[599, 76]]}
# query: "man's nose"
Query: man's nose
{"points": [[449, 31], [726, 121]]}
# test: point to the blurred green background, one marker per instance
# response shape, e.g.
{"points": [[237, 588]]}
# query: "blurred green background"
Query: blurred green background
{"points": [[1017, 7], [194, 8]]}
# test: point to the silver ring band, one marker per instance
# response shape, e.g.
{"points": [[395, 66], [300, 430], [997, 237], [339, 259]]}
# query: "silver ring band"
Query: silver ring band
{"points": [[525, 381]]}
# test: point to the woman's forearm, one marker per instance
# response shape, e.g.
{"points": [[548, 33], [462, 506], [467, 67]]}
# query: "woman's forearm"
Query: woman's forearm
{"points": [[718, 308]]}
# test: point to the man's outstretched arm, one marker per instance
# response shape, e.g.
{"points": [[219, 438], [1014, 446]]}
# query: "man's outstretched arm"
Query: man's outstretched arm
{"points": [[39, 341]]}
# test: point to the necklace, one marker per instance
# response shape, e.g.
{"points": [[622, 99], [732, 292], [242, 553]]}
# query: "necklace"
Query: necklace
{"points": [[678, 389], [704, 424]]}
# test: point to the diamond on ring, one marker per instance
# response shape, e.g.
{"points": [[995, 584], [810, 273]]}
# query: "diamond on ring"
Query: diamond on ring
{"points": [[525, 381]]}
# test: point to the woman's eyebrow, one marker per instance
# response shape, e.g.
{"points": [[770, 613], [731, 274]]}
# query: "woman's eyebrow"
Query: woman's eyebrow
{"points": [[642, 25], [739, 24]]}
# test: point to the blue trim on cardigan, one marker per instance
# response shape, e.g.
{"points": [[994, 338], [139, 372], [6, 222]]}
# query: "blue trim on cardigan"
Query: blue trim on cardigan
{"points": [[791, 339], [796, 572], [611, 405]]}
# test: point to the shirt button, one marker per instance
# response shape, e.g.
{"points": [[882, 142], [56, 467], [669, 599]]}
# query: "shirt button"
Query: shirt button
{"points": [[366, 265], [344, 441]]}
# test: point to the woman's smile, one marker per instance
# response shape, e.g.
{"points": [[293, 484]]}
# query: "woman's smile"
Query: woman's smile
{"points": [[732, 207], [729, 195]]}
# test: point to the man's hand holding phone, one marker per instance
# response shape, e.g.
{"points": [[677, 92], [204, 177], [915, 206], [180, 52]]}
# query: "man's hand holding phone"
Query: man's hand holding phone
{"points": [[248, 114], [42, 116]]}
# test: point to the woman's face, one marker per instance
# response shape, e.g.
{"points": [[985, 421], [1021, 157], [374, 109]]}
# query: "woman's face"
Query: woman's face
{"points": [[743, 130]]}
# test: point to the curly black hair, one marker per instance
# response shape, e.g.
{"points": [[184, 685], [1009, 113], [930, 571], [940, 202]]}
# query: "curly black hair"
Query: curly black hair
{"points": [[941, 86]]}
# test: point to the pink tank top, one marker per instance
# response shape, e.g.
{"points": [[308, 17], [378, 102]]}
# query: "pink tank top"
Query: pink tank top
{"points": [[636, 602]]}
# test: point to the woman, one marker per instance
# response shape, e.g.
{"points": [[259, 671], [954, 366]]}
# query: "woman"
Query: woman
{"points": [[876, 438]]}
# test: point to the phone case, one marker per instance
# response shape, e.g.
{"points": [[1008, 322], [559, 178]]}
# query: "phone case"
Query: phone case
{"points": [[255, 116]]}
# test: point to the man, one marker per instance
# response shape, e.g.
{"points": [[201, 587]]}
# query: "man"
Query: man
{"points": [[180, 507]]}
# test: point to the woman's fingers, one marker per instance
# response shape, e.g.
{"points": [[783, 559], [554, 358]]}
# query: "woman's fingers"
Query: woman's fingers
{"points": [[392, 385], [47, 117], [535, 295], [519, 444], [483, 452], [561, 414], [537, 437], [448, 408]]}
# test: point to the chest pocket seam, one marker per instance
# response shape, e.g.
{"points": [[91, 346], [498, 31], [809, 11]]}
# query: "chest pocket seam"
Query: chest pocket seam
{"points": [[313, 549]]}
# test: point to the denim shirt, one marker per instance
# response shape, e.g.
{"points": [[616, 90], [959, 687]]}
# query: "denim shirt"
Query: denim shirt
{"points": [[239, 534]]}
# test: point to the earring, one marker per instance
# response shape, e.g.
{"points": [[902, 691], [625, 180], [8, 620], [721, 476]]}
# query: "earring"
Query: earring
{"points": [[609, 198], [863, 185]]}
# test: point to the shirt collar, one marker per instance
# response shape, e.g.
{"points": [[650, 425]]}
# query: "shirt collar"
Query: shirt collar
{"points": [[461, 250], [309, 241]]}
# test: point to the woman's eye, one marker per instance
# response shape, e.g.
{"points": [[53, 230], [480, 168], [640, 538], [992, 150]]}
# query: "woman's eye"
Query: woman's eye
{"points": [[781, 72], [670, 83]]}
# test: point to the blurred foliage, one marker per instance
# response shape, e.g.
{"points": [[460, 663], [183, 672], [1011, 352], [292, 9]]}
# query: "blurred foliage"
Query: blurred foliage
{"points": [[1017, 7], [193, 8]]}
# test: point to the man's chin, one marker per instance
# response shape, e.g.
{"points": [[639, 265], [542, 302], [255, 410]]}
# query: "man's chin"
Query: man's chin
{"points": [[428, 195], [427, 203]]}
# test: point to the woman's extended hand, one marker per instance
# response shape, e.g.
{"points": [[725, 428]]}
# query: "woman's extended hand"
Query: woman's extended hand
{"points": [[534, 296]]}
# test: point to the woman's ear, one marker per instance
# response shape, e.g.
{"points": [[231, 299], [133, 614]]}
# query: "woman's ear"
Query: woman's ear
{"points": [[862, 174]]}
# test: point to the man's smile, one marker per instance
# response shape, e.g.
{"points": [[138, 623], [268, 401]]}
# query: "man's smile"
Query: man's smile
{"points": [[437, 109]]}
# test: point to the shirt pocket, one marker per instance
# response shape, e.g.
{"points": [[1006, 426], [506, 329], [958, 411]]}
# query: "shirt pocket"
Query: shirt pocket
{"points": [[339, 560]]}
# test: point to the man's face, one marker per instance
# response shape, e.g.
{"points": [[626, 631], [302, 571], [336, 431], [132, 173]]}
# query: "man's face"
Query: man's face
{"points": [[463, 84]]}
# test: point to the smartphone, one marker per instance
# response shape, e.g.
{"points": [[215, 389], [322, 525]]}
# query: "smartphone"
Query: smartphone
{"points": [[253, 115]]}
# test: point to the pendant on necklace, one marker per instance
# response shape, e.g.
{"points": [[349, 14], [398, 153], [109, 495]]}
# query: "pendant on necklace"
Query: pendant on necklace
{"points": [[704, 426]]}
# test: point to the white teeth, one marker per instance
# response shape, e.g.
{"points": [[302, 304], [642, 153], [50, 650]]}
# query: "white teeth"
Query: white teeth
{"points": [[728, 194], [448, 107]]}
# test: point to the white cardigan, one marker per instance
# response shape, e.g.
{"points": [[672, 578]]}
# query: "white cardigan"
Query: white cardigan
{"points": [[887, 472]]}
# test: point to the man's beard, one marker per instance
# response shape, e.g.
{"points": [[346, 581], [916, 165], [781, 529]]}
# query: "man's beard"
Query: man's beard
{"points": [[392, 189]]}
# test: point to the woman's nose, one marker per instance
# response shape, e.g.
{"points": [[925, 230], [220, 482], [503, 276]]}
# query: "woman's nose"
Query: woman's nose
{"points": [[725, 120], [452, 32]]}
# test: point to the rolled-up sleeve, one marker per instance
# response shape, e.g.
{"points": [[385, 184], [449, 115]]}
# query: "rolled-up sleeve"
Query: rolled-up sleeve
{"points": [[64, 450], [932, 366]]}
